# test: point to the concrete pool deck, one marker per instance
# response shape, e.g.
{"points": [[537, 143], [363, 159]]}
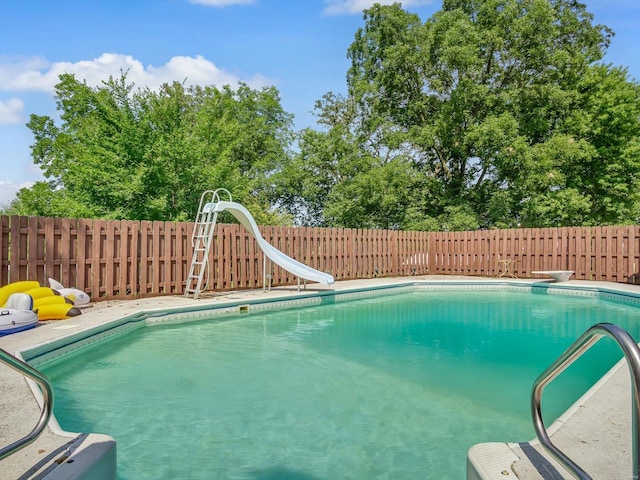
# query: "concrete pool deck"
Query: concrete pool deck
{"points": [[595, 432]]}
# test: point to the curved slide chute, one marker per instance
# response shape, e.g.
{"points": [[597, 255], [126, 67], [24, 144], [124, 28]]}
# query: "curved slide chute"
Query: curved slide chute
{"points": [[289, 264]]}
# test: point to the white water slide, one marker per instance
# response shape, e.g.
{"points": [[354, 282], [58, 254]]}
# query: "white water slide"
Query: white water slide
{"points": [[289, 264], [210, 206]]}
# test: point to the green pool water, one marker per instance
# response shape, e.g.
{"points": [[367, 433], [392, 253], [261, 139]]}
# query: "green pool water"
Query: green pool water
{"points": [[392, 387]]}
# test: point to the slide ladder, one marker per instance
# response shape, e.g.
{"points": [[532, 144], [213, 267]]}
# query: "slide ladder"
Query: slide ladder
{"points": [[201, 240]]}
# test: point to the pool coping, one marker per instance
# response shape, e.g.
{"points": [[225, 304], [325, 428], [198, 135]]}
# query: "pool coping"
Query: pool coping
{"points": [[33, 348]]}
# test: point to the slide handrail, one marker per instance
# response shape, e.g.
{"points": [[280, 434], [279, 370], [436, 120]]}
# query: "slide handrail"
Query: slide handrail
{"points": [[47, 408], [585, 342], [208, 199]]}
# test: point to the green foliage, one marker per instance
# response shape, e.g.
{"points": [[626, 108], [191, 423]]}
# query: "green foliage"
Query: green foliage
{"points": [[490, 113], [47, 202], [142, 154], [375, 198]]}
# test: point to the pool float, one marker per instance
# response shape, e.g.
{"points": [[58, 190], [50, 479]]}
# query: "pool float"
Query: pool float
{"points": [[17, 314], [57, 311], [49, 304], [41, 292], [78, 297], [16, 287], [51, 300], [43, 300]]}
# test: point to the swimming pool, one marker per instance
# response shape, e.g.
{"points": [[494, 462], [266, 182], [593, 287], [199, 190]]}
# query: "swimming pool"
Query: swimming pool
{"points": [[393, 386]]}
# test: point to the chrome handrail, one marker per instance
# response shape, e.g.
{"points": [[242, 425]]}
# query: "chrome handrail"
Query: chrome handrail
{"points": [[47, 395], [580, 346]]}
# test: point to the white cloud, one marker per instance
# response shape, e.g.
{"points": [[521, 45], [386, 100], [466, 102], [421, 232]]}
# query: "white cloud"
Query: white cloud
{"points": [[35, 74], [340, 7], [8, 191], [221, 3], [11, 111]]}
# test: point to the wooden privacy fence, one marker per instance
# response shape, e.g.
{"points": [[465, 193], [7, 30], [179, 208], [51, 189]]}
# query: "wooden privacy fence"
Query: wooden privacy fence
{"points": [[128, 259], [609, 253]]}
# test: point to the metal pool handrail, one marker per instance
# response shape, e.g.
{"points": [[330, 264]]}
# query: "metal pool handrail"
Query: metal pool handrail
{"points": [[580, 346], [47, 395]]}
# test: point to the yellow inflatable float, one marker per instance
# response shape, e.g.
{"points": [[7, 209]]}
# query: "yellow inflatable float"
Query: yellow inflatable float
{"points": [[47, 302], [16, 287], [57, 312], [41, 292], [52, 300]]}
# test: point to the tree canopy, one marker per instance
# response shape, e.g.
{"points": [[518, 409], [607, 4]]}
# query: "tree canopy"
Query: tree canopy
{"points": [[142, 154], [490, 113]]}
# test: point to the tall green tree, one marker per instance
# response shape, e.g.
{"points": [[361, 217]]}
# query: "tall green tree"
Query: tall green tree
{"points": [[340, 177], [491, 113], [121, 152]]}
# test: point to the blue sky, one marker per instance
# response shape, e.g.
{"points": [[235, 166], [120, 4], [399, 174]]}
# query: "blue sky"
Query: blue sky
{"points": [[297, 45]]}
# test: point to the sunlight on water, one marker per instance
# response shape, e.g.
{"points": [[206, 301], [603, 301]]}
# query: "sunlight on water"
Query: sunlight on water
{"points": [[393, 387]]}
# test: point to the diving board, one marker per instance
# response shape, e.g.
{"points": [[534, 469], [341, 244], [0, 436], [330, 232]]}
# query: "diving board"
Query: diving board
{"points": [[557, 275]]}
